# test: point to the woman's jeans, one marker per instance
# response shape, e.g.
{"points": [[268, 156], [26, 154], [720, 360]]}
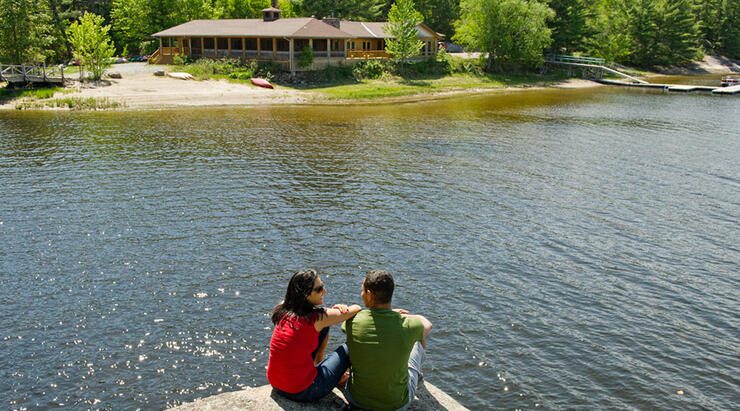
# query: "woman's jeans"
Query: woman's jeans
{"points": [[329, 372]]}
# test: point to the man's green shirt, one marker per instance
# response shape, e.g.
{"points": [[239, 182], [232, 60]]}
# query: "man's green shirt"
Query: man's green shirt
{"points": [[380, 341]]}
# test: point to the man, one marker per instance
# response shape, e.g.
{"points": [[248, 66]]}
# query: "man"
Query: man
{"points": [[386, 348]]}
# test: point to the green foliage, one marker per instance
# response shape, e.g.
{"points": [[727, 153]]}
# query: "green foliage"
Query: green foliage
{"points": [[402, 22], [371, 69], [610, 26], [204, 69], [91, 44], [569, 25], [511, 32], [440, 15], [134, 21], [306, 58], [729, 29], [359, 10], [664, 32], [72, 103], [25, 31]]}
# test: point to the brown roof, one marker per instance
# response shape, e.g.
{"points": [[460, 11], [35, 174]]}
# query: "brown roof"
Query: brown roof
{"points": [[302, 27], [379, 29]]}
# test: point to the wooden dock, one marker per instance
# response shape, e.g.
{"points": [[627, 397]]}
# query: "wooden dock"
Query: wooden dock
{"points": [[31, 74], [676, 87], [595, 65]]}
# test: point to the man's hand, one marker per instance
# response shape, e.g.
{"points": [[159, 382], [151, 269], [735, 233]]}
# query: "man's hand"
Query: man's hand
{"points": [[401, 311]]}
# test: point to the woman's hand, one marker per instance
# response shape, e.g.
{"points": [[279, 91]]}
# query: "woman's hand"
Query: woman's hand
{"points": [[342, 308]]}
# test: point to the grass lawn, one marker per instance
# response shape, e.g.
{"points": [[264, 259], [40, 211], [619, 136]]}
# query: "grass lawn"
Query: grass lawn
{"points": [[398, 87]]}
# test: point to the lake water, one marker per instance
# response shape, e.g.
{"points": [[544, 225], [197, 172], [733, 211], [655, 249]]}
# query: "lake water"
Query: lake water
{"points": [[575, 249]]}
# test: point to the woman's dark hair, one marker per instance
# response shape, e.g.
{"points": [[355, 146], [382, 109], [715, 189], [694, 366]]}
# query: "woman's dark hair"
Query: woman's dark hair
{"points": [[296, 302]]}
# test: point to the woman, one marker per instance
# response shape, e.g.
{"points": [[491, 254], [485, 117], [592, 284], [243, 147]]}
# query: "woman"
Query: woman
{"points": [[295, 368]]}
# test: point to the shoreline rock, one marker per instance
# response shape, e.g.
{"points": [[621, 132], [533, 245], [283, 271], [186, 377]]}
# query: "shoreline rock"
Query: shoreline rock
{"points": [[428, 398]]}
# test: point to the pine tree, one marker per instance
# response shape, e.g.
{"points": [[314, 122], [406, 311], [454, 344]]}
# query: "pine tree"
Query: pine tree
{"points": [[361, 10], [664, 32], [569, 26], [26, 31]]}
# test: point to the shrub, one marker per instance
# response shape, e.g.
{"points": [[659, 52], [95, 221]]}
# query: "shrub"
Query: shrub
{"points": [[306, 59], [371, 69]]}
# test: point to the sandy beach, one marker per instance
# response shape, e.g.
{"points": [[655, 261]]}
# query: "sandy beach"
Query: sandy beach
{"points": [[138, 87]]}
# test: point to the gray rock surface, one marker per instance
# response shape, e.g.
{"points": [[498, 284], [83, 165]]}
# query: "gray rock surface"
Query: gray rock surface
{"points": [[114, 74], [159, 73], [428, 398]]}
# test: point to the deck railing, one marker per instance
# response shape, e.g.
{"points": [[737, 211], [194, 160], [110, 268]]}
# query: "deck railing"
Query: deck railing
{"points": [[560, 58], [367, 54], [32, 73]]}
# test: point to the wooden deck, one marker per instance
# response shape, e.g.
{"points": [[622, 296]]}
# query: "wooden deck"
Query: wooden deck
{"points": [[31, 74]]}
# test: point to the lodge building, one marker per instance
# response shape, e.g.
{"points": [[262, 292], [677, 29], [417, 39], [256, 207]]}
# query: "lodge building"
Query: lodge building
{"points": [[282, 40]]}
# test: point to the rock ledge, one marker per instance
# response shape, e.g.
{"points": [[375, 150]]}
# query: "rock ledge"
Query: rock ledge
{"points": [[428, 397]]}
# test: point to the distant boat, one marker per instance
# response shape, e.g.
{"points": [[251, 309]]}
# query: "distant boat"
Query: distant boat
{"points": [[261, 82], [729, 81]]}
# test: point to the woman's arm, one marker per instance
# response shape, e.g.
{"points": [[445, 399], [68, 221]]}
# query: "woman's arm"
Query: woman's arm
{"points": [[337, 315]]}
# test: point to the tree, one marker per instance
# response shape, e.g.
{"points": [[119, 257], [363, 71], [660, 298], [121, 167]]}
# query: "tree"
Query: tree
{"points": [[729, 29], [569, 28], [91, 44], [402, 22], [511, 32], [134, 21], [62, 14], [25, 31], [440, 15], [609, 28], [362, 10], [664, 32]]}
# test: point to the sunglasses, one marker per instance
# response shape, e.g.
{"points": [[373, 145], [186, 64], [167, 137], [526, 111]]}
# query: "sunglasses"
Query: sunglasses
{"points": [[318, 288]]}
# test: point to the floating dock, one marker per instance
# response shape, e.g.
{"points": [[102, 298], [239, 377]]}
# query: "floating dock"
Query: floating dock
{"points": [[676, 87]]}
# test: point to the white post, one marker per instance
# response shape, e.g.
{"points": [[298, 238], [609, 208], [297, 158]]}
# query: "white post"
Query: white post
{"points": [[292, 69]]}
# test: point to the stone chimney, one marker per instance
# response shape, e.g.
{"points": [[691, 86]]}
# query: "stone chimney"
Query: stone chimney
{"points": [[331, 21], [273, 13]]}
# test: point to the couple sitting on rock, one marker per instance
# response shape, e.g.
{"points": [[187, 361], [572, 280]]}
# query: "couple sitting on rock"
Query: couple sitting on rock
{"points": [[385, 346]]}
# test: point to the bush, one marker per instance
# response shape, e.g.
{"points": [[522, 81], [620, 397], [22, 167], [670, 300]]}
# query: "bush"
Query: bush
{"points": [[372, 69], [306, 59]]}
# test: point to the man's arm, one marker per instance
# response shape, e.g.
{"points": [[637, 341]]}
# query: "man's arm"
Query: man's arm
{"points": [[427, 327]]}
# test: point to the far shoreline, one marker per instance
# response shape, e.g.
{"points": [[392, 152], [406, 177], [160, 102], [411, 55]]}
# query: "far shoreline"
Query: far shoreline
{"points": [[139, 89], [156, 94]]}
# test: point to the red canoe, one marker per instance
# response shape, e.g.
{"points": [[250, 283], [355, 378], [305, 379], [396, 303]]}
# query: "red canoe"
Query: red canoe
{"points": [[261, 82]]}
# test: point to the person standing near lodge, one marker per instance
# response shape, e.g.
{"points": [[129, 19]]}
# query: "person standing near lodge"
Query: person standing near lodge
{"points": [[386, 348]]}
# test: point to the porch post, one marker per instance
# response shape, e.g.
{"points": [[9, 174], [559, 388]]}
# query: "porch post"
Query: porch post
{"points": [[259, 47], [292, 69], [328, 48], [202, 47], [228, 39], [274, 47], [310, 43], [179, 44], [161, 52], [215, 47], [244, 50]]}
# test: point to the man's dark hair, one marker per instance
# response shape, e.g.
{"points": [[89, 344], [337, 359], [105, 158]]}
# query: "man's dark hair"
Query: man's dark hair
{"points": [[380, 283]]}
